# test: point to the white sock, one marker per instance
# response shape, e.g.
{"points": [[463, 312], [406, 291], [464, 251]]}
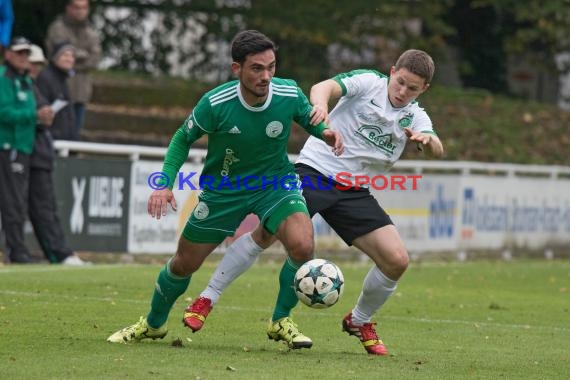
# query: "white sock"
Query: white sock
{"points": [[240, 255], [375, 291]]}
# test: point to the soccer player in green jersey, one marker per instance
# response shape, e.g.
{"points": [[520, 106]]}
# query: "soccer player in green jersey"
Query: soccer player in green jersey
{"points": [[248, 122], [376, 116]]}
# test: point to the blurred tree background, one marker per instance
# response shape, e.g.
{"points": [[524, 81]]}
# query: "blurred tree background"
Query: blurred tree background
{"points": [[493, 58], [190, 37]]}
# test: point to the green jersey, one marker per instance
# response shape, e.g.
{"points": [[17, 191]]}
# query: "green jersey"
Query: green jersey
{"points": [[17, 111], [247, 145]]}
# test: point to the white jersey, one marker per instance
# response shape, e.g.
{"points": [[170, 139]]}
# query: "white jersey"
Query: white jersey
{"points": [[372, 129]]}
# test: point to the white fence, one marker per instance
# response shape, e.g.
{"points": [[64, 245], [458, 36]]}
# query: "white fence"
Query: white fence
{"points": [[456, 206]]}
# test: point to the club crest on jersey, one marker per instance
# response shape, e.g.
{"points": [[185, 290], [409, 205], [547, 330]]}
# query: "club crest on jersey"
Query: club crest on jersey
{"points": [[274, 129], [376, 136], [406, 120], [201, 211]]}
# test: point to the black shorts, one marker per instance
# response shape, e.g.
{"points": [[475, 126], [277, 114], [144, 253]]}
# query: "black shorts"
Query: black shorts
{"points": [[351, 213]]}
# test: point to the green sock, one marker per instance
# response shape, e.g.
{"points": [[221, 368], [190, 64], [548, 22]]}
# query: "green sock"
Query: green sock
{"points": [[286, 299], [167, 289]]}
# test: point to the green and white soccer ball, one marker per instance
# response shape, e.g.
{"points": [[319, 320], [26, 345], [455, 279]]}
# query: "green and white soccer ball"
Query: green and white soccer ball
{"points": [[319, 283]]}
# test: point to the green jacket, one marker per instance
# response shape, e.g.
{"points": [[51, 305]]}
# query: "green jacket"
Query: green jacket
{"points": [[17, 111]]}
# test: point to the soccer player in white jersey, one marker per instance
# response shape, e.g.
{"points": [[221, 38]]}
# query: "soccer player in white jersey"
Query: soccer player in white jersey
{"points": [[247, 170], [376, 115]]}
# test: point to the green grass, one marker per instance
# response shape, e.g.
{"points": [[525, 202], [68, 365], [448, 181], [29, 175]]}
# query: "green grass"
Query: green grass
{"points": [[480, 320]]}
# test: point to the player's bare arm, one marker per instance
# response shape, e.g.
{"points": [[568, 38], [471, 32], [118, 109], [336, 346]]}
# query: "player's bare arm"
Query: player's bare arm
{"points": [[158, 202], [427, 140], [321, 94]]}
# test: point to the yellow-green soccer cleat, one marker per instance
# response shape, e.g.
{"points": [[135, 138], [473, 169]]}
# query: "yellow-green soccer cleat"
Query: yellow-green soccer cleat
{"points": [[139, 331], [286, 330]]}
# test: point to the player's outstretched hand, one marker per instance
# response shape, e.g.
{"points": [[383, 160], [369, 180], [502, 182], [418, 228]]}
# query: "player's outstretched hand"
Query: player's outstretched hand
{"points": [[428, 140], [334, 139], [422, 138], [319, 113], [158, 202]]}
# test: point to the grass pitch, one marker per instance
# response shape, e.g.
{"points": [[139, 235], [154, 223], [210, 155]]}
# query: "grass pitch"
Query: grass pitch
{"points": [[477, 320]]}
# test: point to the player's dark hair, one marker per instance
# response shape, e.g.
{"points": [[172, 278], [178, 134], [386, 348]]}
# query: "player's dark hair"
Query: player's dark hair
{"points": [[417, 62], [250, 42]]}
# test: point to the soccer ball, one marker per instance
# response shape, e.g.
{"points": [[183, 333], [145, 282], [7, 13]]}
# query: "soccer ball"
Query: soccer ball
{"points": [[319, 283]]}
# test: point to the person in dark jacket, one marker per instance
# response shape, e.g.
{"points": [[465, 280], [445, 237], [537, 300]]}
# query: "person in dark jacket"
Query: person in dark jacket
{"points": [[41, 196], [74, 26], [52, 82]]}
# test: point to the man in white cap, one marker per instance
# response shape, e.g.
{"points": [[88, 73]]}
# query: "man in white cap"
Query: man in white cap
{"points": [[37, 60], [17, 133]]}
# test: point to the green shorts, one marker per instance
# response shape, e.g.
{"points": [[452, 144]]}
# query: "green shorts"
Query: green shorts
{"points": [[217, 216]]}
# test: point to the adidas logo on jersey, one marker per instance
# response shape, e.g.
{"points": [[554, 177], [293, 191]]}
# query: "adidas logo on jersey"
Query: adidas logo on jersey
{"points": [[234, 131]]}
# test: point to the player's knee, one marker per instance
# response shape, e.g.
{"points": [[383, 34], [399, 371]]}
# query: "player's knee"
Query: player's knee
{"points": [[302, 250], [183, 264], [262, 238], [399, 261], [179, 267]]}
